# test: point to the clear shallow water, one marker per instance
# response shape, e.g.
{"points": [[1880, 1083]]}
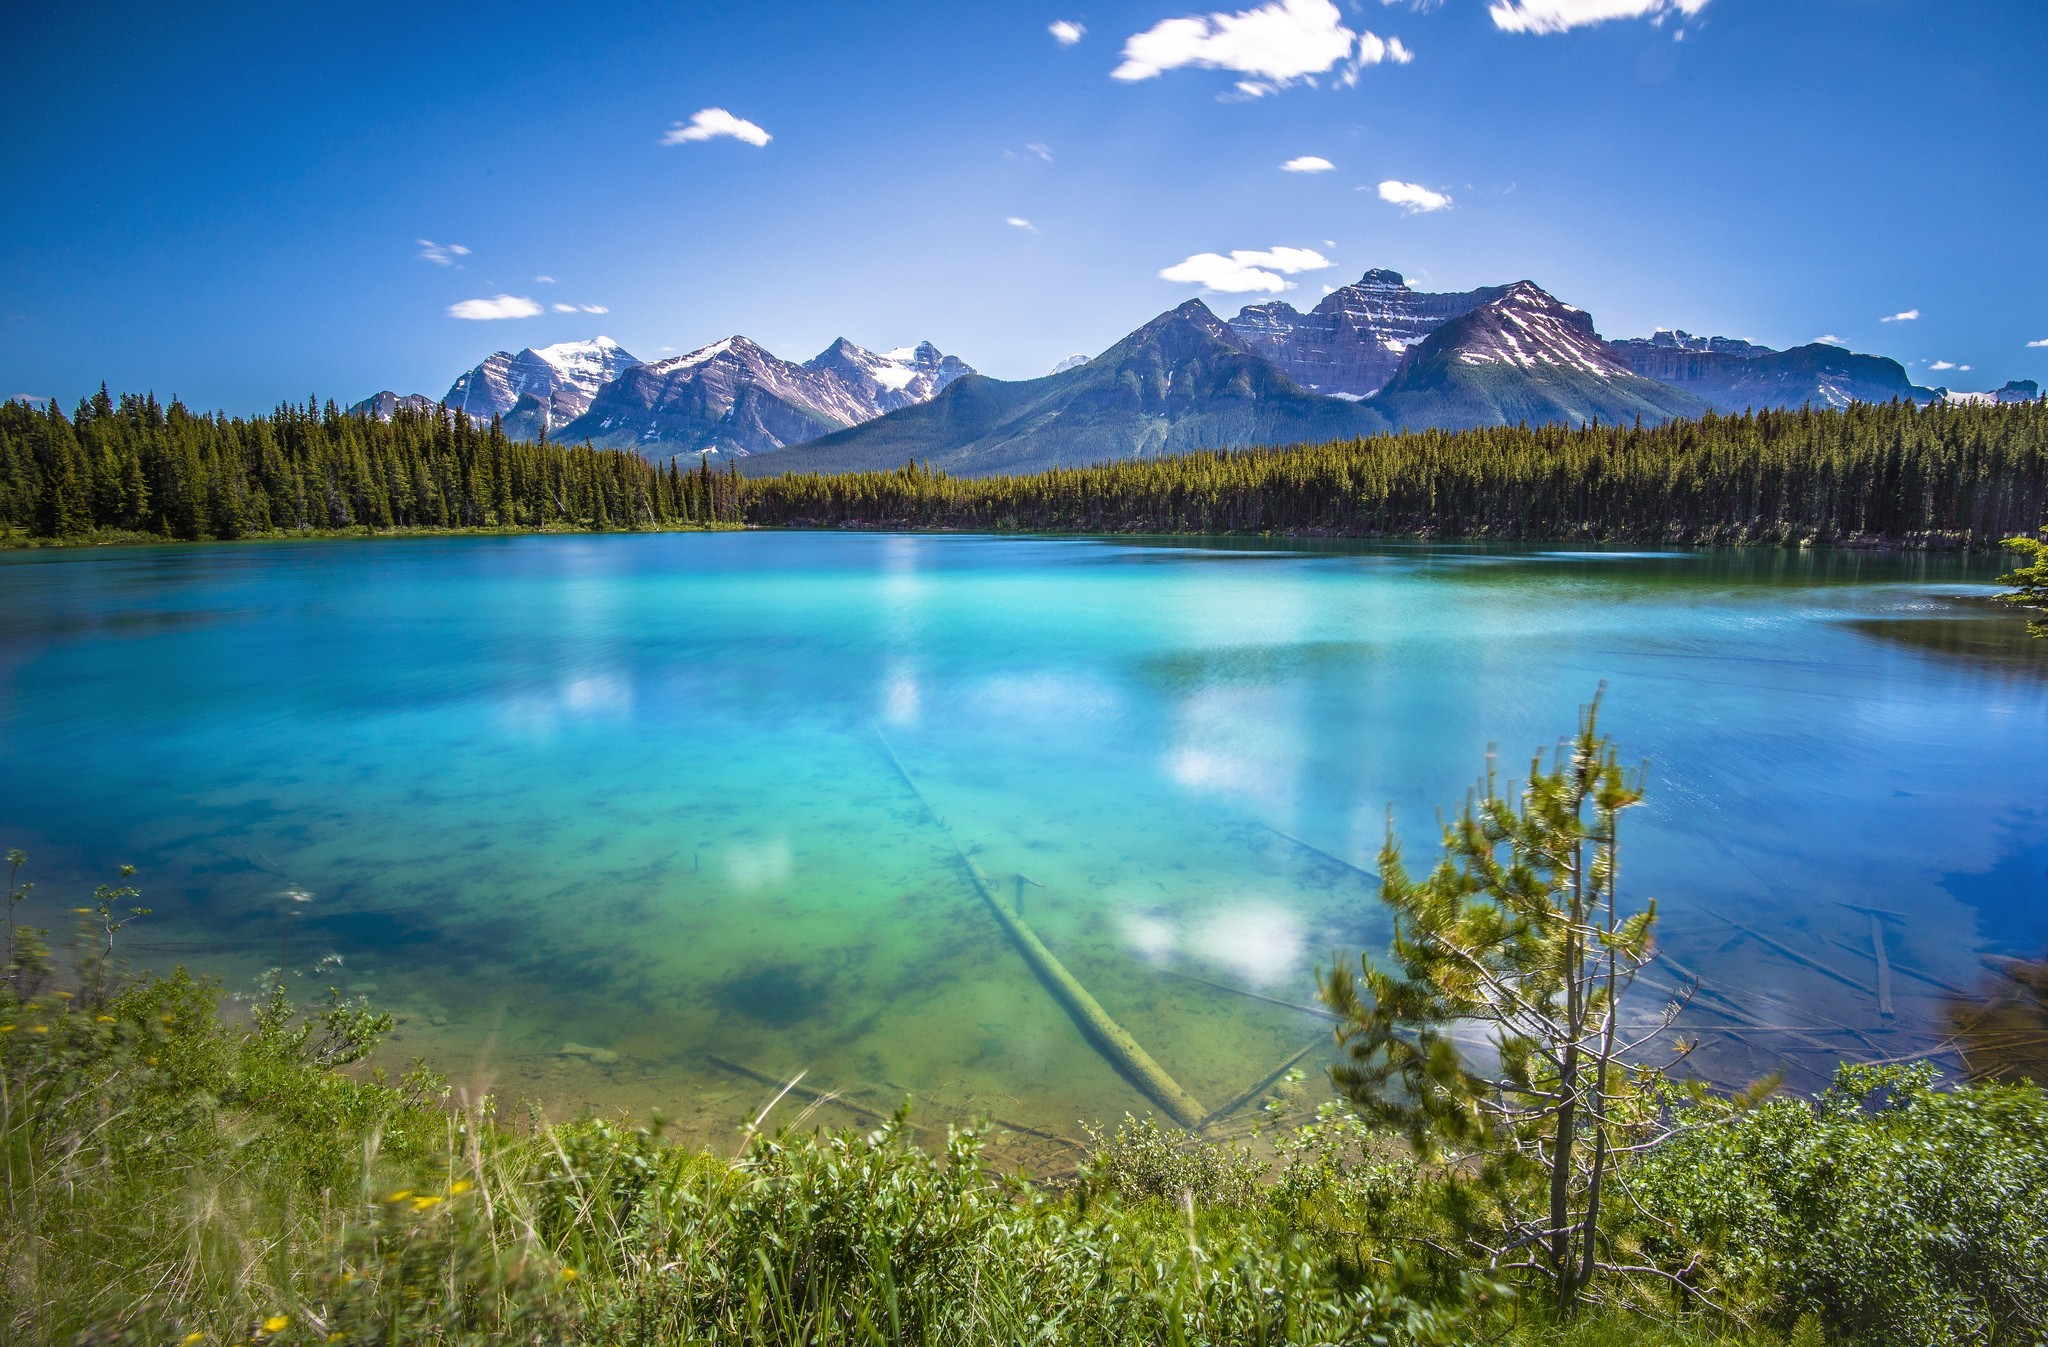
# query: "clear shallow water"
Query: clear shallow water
{"points": [[627, 792]]}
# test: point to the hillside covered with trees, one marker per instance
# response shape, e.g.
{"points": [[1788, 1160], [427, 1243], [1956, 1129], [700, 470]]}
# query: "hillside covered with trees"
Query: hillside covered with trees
{"points": [[1873, 473]]}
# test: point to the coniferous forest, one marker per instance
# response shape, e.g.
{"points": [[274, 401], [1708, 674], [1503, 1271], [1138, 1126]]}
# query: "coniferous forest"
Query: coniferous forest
{"points": [[1893, 473], [136, 466]]}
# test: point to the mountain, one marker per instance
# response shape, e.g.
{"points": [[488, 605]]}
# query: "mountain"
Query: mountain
{"points": [[733, 397], [383, 406], [561, 379], [2019, 390], [1183, 381], [1351, 343], [1735, 376], [892, 379], [1522, 355], [1668, 339]]}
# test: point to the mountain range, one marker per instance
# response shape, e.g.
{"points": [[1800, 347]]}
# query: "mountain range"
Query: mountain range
{"points": [[1372, 356]]}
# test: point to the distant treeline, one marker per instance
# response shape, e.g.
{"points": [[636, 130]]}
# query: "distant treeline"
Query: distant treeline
{"points": [[136, 466], [1941, 476], [1944, 476]]}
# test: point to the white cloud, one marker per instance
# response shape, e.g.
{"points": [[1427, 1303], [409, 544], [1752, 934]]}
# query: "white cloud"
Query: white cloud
{"points": [[563, 308], [1413, 198], [1372, 50], [1904, 316], [1307, 163], [1042, 150], [1965, 369], [1559, 16], [1943, 364], [2036, 345], [441, 254], [593, 308], [712, 123], [1275, 43], [1066, 33], [503, 306], [1246, 271], [543, 280], [1019, 222], [1830, 339]]}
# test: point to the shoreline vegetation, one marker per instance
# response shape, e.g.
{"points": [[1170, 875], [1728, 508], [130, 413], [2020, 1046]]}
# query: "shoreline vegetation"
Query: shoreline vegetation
{"points": [[183, 1168], [1889, 475]]}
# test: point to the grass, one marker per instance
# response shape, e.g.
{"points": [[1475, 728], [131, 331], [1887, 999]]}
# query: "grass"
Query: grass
{"points": [[180, 1168]]}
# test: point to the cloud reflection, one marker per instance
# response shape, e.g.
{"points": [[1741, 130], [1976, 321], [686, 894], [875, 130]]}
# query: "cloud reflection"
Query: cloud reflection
{"points": [[756, 866]]}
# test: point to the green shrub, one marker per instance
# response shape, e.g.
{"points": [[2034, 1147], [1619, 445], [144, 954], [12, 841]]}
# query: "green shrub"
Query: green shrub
{"points": [[1892, 1211]]}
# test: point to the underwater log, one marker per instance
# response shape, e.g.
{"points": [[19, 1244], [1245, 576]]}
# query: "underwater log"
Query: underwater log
{"points": [[1109, 1037]]}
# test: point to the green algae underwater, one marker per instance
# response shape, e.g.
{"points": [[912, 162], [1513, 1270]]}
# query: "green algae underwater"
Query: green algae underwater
{"points": [[612, 821]]}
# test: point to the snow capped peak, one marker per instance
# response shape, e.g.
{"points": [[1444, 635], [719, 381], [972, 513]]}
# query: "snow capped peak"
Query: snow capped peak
{"points": [[563, 378], [703, 353], [733, 396], [1527, 327], [599, 353]]}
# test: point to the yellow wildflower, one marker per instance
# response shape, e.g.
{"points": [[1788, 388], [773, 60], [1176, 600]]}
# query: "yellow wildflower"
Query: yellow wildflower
{"points": [[8, 1028], [64, 996], [277, 1323], [103, 1019], [190, 1338], [424, 1201], [568, 1274], [400, 1195], [40, 1029], [459, 1187]]}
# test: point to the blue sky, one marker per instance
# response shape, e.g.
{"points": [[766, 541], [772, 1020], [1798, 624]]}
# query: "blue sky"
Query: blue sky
{"points": [[233, 205]]}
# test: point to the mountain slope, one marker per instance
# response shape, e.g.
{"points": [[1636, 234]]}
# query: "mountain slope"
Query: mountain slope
{"points": [[562, 379], [1523, 356], [1733, 376], [1353, 341], [1183, 381], [733, 397], [383, 406]]}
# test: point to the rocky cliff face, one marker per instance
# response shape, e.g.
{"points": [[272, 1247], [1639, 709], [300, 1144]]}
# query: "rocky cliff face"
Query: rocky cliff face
{"points": [[2019, 390], [1351, 343], [1665, 339], [1816, 375], [884, 381], [733, 397], [563, 378], [1523, 356]]}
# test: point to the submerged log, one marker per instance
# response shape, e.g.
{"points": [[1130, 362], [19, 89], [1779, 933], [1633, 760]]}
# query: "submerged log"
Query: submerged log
{"points": [[1884, 967], [1110, 1038]]}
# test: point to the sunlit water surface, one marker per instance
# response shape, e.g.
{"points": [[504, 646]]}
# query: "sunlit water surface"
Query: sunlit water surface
{"points": [[630, 793]]}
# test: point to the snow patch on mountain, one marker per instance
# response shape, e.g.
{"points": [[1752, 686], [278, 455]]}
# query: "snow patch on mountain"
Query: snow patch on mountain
{"points": [[563, 379]]}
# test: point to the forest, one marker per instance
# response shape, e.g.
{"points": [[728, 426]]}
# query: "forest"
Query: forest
{"points": [[1889, 473]]}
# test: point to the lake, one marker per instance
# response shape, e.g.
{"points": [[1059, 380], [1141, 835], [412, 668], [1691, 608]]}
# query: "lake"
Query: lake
{"points": [[634, 795]]}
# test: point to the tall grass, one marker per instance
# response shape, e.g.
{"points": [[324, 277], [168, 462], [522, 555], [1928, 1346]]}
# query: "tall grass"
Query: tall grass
{"points": [[182, 1169]]}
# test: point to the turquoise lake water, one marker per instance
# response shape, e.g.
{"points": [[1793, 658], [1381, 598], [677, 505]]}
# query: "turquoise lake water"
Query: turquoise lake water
{"points": [[629, 793]]}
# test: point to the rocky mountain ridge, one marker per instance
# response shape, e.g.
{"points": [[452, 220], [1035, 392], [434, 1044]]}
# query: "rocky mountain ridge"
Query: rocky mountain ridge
{"points": [[736, 398], [1399, 357], [1354, 339], [561, 379]]}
